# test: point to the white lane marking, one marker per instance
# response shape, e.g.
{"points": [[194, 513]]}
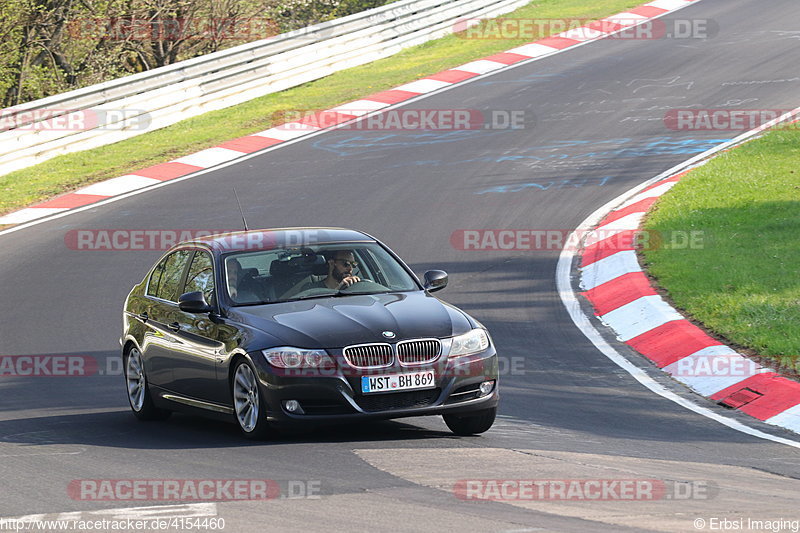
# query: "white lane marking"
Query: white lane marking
{"points": [[639, 317], [582, 34], [481, 66], [189, 510], [74, 515], [534, 50], [652, 193], [24, 518], [608, 268], [161, 511], [668, 4], [30, 213], [422, 86], [583, 323], [120, 185], [284, 132], [359, 107], [626, 19], [606, 231], [297, 138], [208, 157], [628, 222], [789, 419]]}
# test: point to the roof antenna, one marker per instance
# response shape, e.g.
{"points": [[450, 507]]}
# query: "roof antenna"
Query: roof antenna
{"points": [[240, 209]]}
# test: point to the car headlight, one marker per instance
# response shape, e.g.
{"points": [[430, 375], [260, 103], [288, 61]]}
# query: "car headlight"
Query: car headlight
{"points": [[290, 357], [469, 343]]}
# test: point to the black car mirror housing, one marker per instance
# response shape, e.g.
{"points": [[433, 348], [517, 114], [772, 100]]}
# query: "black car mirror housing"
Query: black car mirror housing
{"points": [[194, 302], [435, 280]]}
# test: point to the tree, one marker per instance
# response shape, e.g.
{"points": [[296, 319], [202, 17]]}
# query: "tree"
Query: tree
{"points": [[53, 46]]}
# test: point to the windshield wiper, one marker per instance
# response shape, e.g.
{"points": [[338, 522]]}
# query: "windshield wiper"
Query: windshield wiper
{"points": [[358, 293], [332, 295], [309, 297]]}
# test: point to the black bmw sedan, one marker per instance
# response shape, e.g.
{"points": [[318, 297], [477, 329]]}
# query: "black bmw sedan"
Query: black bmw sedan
{"points": [[302, 325]]}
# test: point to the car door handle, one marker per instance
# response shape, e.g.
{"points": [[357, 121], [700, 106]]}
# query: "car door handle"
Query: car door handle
{"points": [[143, 316], [174, 326]]}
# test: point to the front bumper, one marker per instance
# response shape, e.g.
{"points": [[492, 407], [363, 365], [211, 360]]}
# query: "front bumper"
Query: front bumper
{"points": [[335, 396]]}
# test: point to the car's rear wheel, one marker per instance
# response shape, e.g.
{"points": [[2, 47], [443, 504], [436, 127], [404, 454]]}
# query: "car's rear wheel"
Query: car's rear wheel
{"points": [[250, 409], [471, 423], [138, 391]]}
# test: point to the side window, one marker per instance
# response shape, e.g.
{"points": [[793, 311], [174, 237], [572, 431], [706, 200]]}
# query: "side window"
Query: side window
{"points": [[155, 278], [168, 275], [201, 276]]}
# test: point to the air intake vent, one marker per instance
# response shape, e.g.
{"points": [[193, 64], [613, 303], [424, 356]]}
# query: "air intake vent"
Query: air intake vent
{"points": [[418, 351], [369, 355], [398, 400]]}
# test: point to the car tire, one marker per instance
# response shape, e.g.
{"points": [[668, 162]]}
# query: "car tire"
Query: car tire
{"points": [[249, 406], [139, 397], [471, 423]]}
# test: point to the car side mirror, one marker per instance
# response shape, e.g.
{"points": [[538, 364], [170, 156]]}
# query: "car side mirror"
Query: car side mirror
{"points": [[194, 302], [435, 280]]}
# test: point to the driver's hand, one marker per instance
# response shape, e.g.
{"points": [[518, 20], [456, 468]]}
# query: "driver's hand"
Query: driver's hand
{"points": [[349, 280]]}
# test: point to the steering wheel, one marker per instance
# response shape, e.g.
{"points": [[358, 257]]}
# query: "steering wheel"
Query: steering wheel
{"points": [[342, 287], [366, 284]]}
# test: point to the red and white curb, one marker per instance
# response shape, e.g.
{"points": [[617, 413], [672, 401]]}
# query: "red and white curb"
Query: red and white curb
{"points": [[232, 150], [624, 300]]}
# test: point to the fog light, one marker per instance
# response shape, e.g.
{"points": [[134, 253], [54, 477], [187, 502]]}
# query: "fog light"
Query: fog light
{"points": [[486, 387], [293, 406]]}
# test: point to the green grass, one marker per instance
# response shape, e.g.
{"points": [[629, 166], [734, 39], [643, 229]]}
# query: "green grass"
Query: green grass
{"points": [[743, 282], [69, 172]]}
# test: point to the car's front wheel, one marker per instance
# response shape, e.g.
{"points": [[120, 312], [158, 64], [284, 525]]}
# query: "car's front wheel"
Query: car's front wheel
{"points": [[471, 423], [251, 410], [138, 390]]}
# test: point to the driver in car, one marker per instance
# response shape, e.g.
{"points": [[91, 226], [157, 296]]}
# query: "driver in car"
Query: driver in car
{"points": [[341, 264]]}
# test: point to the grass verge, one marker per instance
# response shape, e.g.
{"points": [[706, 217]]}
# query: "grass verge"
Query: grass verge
{"points": [[742, 278], [69, 172]]}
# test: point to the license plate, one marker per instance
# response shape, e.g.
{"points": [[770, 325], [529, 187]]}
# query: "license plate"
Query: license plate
{"points": [[398, 382]]}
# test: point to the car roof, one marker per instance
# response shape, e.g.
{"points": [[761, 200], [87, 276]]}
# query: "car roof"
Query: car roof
{"points": [[277, 238]]}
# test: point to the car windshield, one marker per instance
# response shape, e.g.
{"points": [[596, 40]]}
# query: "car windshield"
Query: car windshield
{"points": [[317, 271]]}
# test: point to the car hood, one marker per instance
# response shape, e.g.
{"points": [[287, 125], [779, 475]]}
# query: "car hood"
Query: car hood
{"points": [[345, 320]]}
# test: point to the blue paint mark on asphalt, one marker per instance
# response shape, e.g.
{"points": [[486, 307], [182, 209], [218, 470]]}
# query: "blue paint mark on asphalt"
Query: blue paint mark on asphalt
{"points": [[367, 143], [554, 151], [555, 184], [659, 146], [614, 149]]}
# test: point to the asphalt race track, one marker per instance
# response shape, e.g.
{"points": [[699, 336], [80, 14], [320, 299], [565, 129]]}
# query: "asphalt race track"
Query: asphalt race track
{"points": [[594, 128]]}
